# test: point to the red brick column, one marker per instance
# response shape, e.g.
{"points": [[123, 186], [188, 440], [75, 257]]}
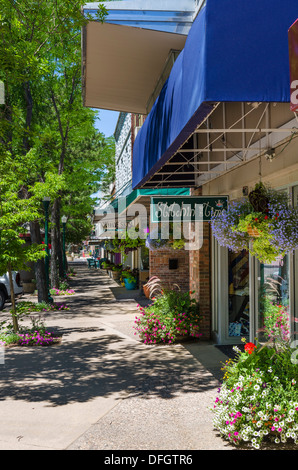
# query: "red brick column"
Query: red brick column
{"points": [[200, 281], [200, 277], [159, 266]]}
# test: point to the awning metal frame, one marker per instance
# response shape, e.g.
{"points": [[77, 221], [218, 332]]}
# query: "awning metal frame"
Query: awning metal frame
{"points": [[211, 151]]}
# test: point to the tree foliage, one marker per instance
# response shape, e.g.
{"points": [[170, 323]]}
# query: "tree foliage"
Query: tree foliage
{"points": [[43, 123]]}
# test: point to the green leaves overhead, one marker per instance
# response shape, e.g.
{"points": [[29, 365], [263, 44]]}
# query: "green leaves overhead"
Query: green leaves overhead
{"points": [[43, 124]]}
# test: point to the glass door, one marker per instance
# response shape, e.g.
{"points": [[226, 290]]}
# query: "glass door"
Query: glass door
{"points": [[238, 295], [273, 315]]}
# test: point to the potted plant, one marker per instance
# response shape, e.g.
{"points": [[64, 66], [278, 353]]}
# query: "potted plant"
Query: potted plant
{"points": [[107, 265], [155, 241], [126, 241], [116, 270], [172, 316], [29, 286], [129, 280], [153, 287], [257, 401], [264, 223]]}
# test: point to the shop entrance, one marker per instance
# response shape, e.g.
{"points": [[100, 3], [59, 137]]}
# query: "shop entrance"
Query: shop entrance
{"points": [[245, 293], [273, 303], [238, 296]]}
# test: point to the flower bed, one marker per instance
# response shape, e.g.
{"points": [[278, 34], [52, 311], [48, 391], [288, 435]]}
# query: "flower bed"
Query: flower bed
{"points": [[37, 335], [171, 317], [27, 307], [62, 291], [37, 338], [258, 399]]}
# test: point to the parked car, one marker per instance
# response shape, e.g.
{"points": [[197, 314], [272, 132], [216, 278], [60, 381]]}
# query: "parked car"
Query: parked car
{"points": [[5, 287]]}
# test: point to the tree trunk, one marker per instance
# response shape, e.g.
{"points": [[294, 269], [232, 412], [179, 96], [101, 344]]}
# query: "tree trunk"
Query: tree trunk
{"points": [[60, 251], [55, 221], [39, 266], [12, 296]]}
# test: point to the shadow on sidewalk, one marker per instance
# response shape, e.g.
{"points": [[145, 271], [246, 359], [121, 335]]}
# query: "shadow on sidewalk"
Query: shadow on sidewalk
{"points": [[99, 366], [97, 363]]}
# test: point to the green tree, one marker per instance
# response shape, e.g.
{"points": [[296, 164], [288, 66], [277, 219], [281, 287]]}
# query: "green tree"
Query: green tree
{"points": [[40, 65], [15, 214]]}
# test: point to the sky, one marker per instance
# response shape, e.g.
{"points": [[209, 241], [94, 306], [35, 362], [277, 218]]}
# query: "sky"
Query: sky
{"points": [[107, 121], [106, 124]]}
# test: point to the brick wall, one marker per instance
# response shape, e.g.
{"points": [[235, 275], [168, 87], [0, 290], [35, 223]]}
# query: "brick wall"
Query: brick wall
{"points": [[159, 266], [193, 273], [200, 277], [200, 281]]}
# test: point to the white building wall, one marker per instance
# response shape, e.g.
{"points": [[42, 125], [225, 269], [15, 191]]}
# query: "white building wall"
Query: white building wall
{"points": [[123, 155]]}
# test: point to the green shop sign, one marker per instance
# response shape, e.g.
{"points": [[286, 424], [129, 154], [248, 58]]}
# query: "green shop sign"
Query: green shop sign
{"points": [[186, 208]]}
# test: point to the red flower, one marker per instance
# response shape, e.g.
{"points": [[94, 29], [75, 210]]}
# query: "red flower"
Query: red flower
{"points": [[266, 217], [249, 347], [256, 219]]}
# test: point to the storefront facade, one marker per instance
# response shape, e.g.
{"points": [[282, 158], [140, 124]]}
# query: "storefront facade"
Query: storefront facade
{"points": [[235, 129], [222, 122]]}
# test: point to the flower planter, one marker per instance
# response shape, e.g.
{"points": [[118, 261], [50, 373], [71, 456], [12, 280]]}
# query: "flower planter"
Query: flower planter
{"points": [[253, 232], [146, 290], [130, 284], [115, 275], [29, 287]]}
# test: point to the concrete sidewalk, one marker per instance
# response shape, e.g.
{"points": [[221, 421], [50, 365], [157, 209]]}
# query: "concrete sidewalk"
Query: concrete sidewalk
{"points": [[102, 389]]}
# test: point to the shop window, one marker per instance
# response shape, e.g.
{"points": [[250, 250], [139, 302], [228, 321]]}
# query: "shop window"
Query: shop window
{"points": [[274, 299], [238, 294]]}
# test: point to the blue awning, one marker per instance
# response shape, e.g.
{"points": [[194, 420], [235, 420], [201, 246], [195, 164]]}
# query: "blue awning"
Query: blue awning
{"points": [[236, 51]]}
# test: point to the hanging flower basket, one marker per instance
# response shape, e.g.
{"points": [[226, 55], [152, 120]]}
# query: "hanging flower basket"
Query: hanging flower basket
{"points": [[253, 232], [154, 241], [264, 223]]}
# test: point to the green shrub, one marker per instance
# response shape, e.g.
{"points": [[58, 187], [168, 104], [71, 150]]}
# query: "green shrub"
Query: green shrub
{"points": [[258, 399], [172, 314]]}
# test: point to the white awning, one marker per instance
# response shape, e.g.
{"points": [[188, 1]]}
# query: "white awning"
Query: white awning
{"points": [[122, 65]]}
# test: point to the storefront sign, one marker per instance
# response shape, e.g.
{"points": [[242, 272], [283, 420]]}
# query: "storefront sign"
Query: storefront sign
{"points": [[293, 53], [186, 208]]}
